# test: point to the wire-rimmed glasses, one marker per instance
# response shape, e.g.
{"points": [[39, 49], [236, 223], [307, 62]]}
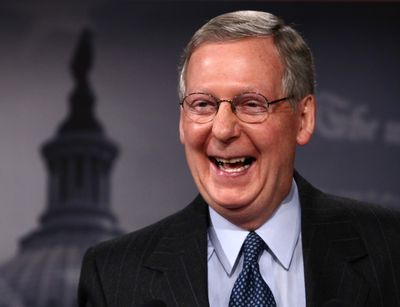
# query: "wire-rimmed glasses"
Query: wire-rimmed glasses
{"points": [[249, 107]]}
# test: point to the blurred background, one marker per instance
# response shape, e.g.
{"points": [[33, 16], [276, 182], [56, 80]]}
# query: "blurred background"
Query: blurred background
{"points": [[136, 50]]}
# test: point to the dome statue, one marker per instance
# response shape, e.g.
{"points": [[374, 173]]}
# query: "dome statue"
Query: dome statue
{"points": [[79, 160]]}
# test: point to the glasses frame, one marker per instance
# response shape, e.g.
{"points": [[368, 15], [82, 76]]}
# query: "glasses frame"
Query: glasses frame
{"points": [[233, 107]]}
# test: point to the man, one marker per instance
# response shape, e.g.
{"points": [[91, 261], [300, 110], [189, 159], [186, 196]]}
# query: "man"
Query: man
{"points": [[258, 234]]}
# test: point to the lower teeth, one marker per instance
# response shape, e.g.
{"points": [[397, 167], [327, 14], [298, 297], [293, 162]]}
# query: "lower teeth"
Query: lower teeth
{"points": [[233, 170]]}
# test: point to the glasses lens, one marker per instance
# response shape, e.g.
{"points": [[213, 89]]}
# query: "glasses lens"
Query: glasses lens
{"points": [[200, 108], [251, 107]]}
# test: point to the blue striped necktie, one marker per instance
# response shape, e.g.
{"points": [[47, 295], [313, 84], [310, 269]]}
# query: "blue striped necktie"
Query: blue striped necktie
{"points": [[250, 289]]}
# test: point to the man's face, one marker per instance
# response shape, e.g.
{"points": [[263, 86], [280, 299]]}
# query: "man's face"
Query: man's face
{"points": [[243, 170]]}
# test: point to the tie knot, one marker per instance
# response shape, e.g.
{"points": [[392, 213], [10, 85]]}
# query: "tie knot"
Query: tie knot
{"points": [[252, 247]]}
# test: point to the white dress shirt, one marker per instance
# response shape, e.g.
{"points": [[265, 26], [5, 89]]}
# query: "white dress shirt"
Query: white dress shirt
{"points": [[281, 265]]}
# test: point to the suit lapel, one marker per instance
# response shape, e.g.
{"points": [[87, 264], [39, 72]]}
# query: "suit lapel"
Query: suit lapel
{"points": [[334, 253], [181, 255]]}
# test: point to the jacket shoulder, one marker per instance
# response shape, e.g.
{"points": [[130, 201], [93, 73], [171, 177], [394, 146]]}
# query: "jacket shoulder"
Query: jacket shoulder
{"points": [[364, 214], [142, 241], [378, 226], [116, 271], [321, 205]]}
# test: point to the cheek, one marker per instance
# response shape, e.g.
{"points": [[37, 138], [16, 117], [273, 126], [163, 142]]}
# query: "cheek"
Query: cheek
{"points": [[194, 136], [276, 139], [195, 145], [286, 140]]}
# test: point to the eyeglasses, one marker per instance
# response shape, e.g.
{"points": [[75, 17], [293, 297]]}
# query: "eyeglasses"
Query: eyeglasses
{"points": [[249, 107]]}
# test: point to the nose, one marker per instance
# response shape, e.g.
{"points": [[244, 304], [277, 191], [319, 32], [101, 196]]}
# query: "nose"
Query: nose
{"points": [[225, 125]]}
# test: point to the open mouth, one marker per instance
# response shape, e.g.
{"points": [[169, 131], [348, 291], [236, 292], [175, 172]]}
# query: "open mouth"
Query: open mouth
{"points": [[234, 165]]}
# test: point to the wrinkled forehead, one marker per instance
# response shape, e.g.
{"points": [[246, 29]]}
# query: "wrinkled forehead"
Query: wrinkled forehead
{"points": [[252, 62], [266, 43]]}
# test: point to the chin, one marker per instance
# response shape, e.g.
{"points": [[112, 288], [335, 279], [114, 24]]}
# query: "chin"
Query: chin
{"points": [[231, 201]]}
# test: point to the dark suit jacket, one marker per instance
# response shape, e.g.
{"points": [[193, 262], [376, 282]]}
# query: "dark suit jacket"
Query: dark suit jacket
{"points": [[351, 257]]}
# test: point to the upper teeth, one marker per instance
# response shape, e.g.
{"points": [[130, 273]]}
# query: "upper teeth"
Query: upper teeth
{"points": [[235, 160]]}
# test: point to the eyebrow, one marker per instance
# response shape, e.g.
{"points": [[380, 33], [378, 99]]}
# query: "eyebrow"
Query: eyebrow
{"points": [[243, 90]]}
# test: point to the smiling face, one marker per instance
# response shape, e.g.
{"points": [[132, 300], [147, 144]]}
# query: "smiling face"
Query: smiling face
{"points": [[243, 170]]}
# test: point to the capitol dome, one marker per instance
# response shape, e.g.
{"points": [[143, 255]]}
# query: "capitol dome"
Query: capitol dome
{"points": [[43, 277], [8, 297], [79, 159]]}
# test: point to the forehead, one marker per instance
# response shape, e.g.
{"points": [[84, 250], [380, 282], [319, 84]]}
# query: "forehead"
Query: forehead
{"points": [[251, 62]]}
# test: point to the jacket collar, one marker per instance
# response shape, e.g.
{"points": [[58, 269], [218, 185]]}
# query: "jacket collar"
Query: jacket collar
{"points": [[333, 251], [181, 255]]}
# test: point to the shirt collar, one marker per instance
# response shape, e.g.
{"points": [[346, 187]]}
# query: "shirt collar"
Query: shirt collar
{"points": [[280, 232]]}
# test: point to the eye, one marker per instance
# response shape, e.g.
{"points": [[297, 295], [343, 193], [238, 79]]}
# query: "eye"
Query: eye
{"points": [[251, 104], [199, 103]]}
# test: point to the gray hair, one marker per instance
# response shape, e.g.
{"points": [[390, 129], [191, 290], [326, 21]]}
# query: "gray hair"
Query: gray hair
{"points": [[298, 77]]}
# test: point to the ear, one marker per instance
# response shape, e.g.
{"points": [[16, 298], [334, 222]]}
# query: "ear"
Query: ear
{"points": [[181, 132], [307, 113]]}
